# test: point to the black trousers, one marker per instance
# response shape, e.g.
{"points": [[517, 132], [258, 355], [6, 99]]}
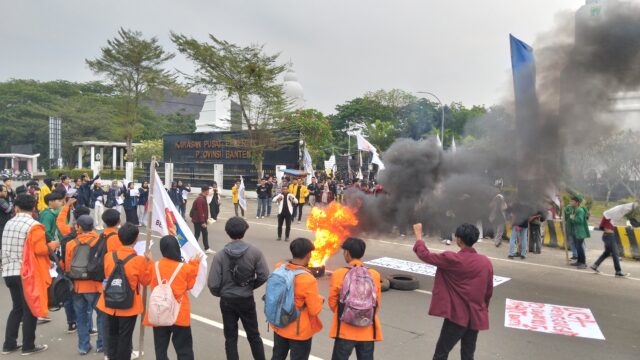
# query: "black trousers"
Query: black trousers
{"points": [[300, 349], [19, 313], [132, 215], [119, 330], [535, 241], [181, 338], [610, 249], [450, 335], [342, 349], [282, 218], [243, 309], [197, 229], [297, 210]]}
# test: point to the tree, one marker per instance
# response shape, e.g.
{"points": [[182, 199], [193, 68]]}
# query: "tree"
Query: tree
{"points": [[134, 67], [617, 158], [247, 75], [148, 149], [314, 129]]}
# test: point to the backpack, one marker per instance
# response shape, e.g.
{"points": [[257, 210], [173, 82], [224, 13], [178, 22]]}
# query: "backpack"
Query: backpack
{"points": [[239, 276], [163, 307], [117, 292], [60, 290], [96, 257], [357, 305], [80, 260], [280, 308]]}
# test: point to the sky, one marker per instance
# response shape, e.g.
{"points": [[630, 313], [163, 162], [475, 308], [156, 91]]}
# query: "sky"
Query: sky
{"points": [[340, 49]]}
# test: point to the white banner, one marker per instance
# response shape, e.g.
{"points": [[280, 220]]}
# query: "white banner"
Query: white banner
{"points": [[551, 319], [419, 268], [242, 199], [167, 221]]}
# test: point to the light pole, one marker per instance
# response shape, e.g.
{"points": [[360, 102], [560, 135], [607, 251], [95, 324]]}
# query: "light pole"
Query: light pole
{"points": [[441, 107]]}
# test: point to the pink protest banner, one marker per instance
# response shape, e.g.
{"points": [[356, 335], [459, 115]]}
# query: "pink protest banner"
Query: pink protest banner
{"points": [[552, 319]]}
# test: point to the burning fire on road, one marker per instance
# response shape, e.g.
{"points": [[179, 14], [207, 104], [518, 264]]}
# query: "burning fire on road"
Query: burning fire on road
{"points": [[332, 226]]}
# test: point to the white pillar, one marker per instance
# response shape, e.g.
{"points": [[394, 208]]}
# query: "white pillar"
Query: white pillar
{"points": [[114, 160], [34, 165], [93, 156], [80, 157], [122, 159]]}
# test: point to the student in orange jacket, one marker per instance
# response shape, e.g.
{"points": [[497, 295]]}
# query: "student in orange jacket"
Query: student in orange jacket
{"points": [[120, 324], [111, 218], [183, 282], [353, 337], [297, 336], [85, 292]]}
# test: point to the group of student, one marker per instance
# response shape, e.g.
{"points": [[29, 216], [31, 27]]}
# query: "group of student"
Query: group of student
{"points": [[292, 299]]}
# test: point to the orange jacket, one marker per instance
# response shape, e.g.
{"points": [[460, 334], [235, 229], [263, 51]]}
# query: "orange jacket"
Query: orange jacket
{"points": [[184, 281], [306, 294], [61, 221], [113, 242], [38, 239], [350, 332], [82, 286], [137, 274]]}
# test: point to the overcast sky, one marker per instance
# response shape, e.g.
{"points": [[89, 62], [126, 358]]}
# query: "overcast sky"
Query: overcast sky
{"points": [[457, 49]]}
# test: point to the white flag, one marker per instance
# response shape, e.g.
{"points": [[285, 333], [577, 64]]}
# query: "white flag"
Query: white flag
{"points": [[438, 139], [376, 160], [308, 166], [364, 145], [453, 144], [166, 220], [242, 200]]}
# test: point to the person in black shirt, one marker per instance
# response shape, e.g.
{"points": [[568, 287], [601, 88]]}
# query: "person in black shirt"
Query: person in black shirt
{"points": [[263, 199], [270, 190]]}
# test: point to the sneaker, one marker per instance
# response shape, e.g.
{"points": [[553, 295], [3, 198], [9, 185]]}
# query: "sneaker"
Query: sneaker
{"points": [[85, 352], [575, 263], [9, 351], [93, 332], [99, 350], [594, 268], [448, 242], [582, 266], [522, 257], [72, 328], [257, 217], [498, 244], [209, 251], [43, 320], [134, 354], [574, 258], [621, 274], [299, 221], [286, 239], [479, 240], [35, 350], [278, 239]]}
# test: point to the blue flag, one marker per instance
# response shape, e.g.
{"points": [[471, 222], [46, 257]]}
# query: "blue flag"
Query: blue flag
{"points": [[524, 71]]}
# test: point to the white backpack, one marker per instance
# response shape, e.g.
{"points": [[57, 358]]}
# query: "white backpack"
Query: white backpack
{"points": [[163, 307]]}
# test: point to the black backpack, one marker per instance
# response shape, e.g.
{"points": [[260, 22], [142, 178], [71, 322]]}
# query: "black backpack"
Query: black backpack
{"points": [[240, 276], [117, 292], [79, 269], [60, 290], [95, 268]]}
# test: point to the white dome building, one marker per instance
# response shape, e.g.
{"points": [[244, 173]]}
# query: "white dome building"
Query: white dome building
{"points": [[293, 90]]}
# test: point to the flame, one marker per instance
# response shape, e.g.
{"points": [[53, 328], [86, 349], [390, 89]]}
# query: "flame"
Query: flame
{"points": [[332, 226]]}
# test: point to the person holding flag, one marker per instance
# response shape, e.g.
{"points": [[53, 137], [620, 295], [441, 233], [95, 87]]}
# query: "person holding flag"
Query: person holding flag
{"points": [[235, 197]]}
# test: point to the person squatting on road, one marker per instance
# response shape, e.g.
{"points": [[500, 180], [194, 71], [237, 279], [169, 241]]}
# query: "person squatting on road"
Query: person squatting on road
{"points": [[610, 218], [286, 204], [235, 273], [462, 290]]}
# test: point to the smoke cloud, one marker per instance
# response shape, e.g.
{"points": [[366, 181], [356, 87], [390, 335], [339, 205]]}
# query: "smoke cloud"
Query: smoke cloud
{"points": [[586, 59]]}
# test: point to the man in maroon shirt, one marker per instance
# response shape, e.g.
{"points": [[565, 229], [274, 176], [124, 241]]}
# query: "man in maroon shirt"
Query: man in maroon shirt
{"points": [[461, 291], [199, 215]]}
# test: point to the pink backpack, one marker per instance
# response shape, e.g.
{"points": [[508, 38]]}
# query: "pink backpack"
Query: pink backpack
{"points": [[357, 298], [163, 307]]}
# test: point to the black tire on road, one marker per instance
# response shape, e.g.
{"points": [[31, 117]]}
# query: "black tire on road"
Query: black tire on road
{"points": [[385, 284], [404, 282]]}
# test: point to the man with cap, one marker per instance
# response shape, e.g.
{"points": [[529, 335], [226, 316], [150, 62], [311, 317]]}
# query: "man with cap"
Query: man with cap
{"points": [[577, 228]]}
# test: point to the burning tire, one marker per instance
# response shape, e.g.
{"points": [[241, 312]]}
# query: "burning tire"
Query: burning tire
{"points": [[385, 284], [404, 282]]}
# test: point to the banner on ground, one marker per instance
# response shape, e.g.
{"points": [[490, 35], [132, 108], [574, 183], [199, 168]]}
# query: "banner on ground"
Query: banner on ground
{"points": [[166, 220], [551, 319]]}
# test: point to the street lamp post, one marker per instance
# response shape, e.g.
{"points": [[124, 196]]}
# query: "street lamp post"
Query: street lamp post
{"points": [[441, 107]]}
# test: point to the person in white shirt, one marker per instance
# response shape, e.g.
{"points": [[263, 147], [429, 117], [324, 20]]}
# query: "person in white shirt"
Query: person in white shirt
{"points": [[285, 211], [610, 219]]}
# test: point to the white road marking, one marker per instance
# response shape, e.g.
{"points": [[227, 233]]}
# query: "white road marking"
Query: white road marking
{"points": [[423, 291], [220, 326]]}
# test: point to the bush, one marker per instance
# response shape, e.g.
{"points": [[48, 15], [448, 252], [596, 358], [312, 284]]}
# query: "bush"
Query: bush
{"points": [[105, 174]]}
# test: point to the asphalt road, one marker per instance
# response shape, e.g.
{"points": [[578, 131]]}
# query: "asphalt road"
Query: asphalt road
{"points": [[409, 332]]}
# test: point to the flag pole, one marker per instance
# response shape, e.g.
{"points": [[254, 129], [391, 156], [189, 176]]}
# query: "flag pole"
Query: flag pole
{"points": [[562, 225], [152, 181]]}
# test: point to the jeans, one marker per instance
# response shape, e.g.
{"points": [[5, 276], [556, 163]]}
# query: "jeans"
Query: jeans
{"points": [[297, 210], [19, 313], [70, 312], [197, 229], [183, 211], [579, 245], [535, 243], [450, 335], [269, 202], [610, 249], [237, 206], [300, 349], [182, 341], [342, 349], [522, 234], [262, 207], [284, 219], [244, 309], [84, 304], [119, 331], [572, 245]]}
